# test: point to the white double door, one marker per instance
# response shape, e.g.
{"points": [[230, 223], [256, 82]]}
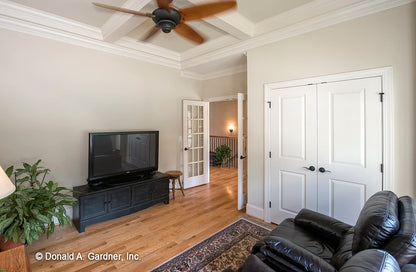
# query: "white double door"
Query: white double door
{"points": [[326, 148]]}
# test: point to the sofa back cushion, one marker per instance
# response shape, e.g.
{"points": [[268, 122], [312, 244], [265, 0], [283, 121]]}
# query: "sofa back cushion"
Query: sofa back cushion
{"points": [[402, 245], [378, 221]]}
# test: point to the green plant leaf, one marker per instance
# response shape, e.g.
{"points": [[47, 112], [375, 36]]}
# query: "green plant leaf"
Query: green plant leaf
{"points": [[27, 166], [9, 171], [42, 218], [5, 223]]}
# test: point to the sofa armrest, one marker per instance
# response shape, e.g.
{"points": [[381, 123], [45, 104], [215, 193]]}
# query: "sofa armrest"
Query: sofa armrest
{"points": [[371, 260], [322, 225], [254, 263], [277, 248]]}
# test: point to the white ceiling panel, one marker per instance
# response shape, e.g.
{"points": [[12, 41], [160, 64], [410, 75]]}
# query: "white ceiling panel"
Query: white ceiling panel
{"points": [[79, 10], [257, 11]]}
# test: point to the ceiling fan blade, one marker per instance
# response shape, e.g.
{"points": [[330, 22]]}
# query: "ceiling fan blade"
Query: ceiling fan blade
{"points": [[150, 34], [124, 10], [188, 32], [205, 10], [164, 4]]}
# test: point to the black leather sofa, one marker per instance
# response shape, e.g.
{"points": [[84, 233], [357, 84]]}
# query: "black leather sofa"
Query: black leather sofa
{"points": [[383, 239]]}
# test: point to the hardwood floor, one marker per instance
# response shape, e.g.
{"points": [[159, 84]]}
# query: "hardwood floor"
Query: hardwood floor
{"points": [[155, 234]]}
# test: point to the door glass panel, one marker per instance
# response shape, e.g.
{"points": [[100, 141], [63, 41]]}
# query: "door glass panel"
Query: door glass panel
{"points": [[201, 154], [194, 126], [201, 126], [190, 156], [201, 112], [195, 112], [195, 169], [189, 111], [201, 140], [201, 168], [195, 151]]}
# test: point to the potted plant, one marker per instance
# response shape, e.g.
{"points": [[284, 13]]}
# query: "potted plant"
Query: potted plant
{"points": [[222, 155], [31, 209]]}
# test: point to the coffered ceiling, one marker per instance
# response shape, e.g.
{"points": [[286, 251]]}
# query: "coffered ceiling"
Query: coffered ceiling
{"points": [[228, 35]]}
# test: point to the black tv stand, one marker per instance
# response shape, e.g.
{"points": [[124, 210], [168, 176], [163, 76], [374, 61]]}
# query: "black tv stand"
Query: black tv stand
{"points": [[101, 203]]}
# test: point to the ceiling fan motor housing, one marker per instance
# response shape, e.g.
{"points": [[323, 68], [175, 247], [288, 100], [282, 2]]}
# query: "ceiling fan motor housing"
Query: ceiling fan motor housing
{"points": [[166, 20]]}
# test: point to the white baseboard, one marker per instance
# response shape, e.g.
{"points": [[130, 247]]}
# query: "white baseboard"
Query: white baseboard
{"points": [[255, 211]]}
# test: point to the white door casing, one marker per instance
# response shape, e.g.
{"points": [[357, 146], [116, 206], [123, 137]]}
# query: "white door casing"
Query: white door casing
{"points": [[333, 187], [195, 142]]}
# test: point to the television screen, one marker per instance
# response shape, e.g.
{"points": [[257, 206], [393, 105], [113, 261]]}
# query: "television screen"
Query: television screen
{"points": [[114, 154]]}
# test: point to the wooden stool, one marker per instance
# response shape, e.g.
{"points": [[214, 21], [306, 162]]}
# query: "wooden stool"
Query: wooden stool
{"points": [[173, 176]]}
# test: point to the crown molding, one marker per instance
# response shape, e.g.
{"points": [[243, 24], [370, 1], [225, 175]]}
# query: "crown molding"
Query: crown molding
{"points": [[363, 8], [34, 22], [50, 21], [220, 73], [209, 46], [23, 19]]}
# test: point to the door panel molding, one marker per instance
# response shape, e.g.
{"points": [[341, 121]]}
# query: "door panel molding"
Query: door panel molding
{"points": [[386, 75]]}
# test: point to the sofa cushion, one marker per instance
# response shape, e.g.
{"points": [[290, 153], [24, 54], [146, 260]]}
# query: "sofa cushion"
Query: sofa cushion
{"points": [[403, 244], [344, 251], [377, 222], [371, 260], [322, 225]]}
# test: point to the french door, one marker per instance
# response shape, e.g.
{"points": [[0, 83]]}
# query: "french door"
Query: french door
{"points": [[195, 143], [326, 148]]}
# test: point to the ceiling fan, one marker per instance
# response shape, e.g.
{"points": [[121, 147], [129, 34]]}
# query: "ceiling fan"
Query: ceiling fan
{"points": [[167, 17]]}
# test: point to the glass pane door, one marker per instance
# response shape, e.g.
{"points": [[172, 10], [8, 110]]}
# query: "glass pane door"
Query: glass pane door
{"points": [[195, 137]]}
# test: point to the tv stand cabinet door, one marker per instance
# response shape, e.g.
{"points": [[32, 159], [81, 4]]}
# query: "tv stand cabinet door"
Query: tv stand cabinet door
{"points": [[161, 190], [141, 193], [93, 205], [119, 199]]}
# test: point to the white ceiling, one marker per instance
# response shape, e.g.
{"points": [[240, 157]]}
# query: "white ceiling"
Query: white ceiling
{"points": [[228, 35]]}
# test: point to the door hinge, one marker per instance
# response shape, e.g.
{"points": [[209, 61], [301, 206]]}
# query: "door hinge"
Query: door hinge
{"points": [[270, 204], [381, 96], [270, 104], [381, 168], [270, 154]]}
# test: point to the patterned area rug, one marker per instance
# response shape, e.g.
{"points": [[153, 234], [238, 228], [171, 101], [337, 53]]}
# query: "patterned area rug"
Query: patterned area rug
{"points": [[227, 248]]}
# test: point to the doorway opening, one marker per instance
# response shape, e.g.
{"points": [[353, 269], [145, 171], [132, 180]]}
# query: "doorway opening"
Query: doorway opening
{"points": [[228, 135]]}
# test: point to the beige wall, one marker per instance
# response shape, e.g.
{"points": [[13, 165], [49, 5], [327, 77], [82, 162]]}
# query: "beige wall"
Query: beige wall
{"points": [[52, 94], [221, 115], [384, 39], [225, 86]]}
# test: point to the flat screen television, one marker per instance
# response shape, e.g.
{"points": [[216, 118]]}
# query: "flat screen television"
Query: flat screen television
{"points": [[115, 157]]}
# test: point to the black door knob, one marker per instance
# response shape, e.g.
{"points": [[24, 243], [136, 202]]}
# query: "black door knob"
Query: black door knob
{"points": [[186, 149], [323, 170], [310, 168], [242, 157]]}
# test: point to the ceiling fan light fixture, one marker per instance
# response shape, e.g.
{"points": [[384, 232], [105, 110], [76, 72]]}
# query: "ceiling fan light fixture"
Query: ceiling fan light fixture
{"points": [[166, 20]]}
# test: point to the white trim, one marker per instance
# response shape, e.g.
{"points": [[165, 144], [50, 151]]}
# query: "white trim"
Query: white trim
{"points": [[217, 74], [17, 17], [75, 39], [386, 73], [222, 98], [363, 8], [255, 211], [266, 159], [46, 20]]}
